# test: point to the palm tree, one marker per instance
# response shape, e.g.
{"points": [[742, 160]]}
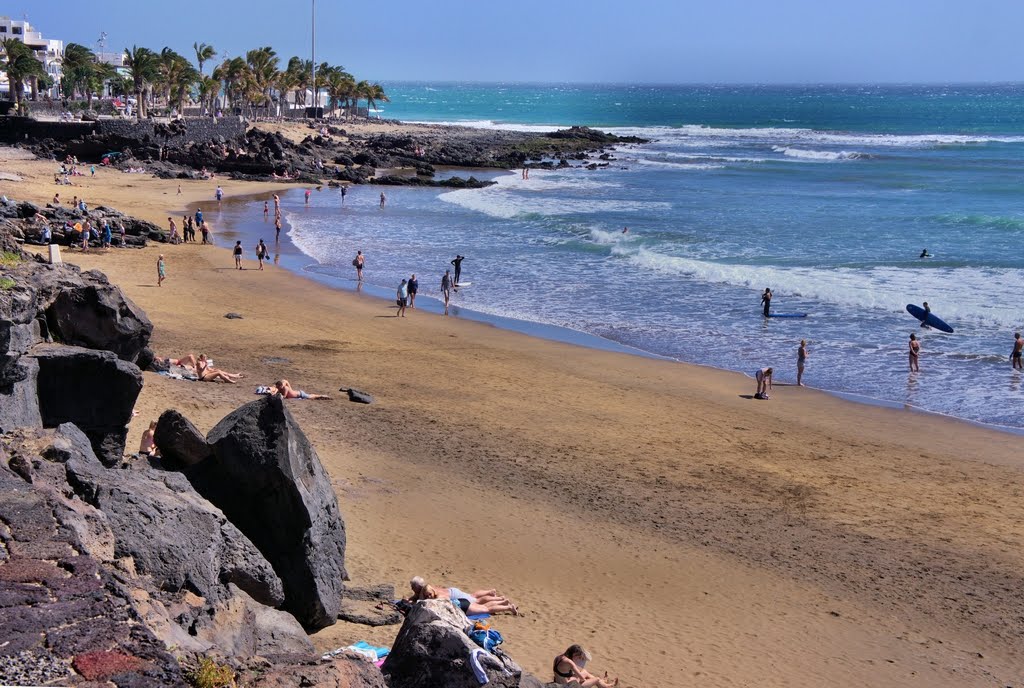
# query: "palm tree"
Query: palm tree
{"points": [[20, 63], [233, 75], [262, 63], [204, 53], [142, 67], [209, 87], [374, 95], [341, 87], [77, 68]]}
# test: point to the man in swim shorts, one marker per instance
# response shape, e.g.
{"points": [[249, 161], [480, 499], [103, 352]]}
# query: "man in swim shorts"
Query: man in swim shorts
{"points": [[1018, 351], [766, 300]]}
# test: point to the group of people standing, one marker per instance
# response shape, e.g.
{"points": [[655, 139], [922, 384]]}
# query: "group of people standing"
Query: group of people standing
{"points": [[405, 296]]}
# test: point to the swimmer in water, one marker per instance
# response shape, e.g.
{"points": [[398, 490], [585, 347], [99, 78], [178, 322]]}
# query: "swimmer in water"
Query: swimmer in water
{"points": [[925, 254]]}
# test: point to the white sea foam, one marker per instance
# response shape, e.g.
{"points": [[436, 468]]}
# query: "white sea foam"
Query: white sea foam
{"points": [[498, 201], [601, 236], [820, 155], [959, 294], [678, 165]]}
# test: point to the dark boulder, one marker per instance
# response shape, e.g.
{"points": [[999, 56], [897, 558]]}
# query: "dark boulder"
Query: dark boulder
{"points": [[91, 312], [433, 649], [357, 396], [173, 534], [19, 405], [95, 390], [239, 626], [289, 671], [179, 441], [268, 480]]}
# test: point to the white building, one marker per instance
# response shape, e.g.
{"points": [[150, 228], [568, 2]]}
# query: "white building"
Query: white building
{"points": [[48, 51]]}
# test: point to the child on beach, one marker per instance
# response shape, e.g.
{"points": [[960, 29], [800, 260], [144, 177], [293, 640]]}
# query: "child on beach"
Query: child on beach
{"points": [[915, 350], [161, 271], [764, 383], [238, 254]]}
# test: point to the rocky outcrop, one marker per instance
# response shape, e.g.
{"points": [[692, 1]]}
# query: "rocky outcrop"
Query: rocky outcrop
{"points": [[289, 671], [173, 535], [181, 444], [70, 383], [241, 627], [64, 617], [433, 649], [268, 480]]}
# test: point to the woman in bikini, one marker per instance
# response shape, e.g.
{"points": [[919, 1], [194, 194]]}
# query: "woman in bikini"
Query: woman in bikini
{"points": [[569, 670], [480, 602], [206, 373]]}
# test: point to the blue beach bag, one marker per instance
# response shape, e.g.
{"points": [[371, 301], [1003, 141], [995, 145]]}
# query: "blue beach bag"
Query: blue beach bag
{"points": [[488, 638]]}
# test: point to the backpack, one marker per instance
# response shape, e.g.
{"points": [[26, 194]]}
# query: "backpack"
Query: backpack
{"points": [[487, 638]]}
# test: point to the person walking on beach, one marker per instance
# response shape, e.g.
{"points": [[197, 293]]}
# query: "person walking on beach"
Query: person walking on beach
{"points": [[801, 359], [106, 235], [764, 383], [766, 301], [414, 286], [402, 298], [199, 216], [457, 262], [277, 205], [161, 271], [205, 230], [915, 351], [308, 192], [238, 254], [446, 289], [358, 262], [1018, 352], [219, 193], [383, 199], [261, 253], [266, 210]]}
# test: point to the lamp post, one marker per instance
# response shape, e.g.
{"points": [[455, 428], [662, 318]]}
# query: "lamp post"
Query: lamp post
{"points": [[312, 62]]}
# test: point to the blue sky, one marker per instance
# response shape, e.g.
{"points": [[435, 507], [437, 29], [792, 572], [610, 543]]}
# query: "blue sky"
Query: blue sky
{"points": [[673, 41]]}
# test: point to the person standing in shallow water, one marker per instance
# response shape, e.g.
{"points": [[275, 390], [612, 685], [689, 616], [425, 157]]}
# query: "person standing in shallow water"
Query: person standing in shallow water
{"points": [[359, 261], [383, 199], [457, 262], [446, 289], [915, 352], [1018, 352], [414, 286], [801, 359], [766, 301]]}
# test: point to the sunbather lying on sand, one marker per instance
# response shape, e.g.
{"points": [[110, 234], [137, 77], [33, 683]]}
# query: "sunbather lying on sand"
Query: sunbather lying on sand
{"points": [[569, 670], [206, 373], [479, 602], [284, 388], [186, 362]]}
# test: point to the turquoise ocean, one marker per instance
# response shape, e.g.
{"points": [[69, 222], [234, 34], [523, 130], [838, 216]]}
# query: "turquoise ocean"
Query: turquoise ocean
{"points": [[825, 194]]}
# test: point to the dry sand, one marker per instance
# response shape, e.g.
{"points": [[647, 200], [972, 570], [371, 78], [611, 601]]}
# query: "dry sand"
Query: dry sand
{"points": [[687, 535]]}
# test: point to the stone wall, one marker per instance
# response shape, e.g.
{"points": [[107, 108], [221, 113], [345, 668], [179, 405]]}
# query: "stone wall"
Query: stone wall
{"points": [[199, 130]]}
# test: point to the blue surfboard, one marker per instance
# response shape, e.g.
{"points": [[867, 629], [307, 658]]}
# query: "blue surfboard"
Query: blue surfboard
{"points": [[929, 319], [787, 315]]}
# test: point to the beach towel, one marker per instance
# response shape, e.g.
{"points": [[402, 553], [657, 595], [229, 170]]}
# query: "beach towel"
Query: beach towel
{"points": [[363, 649], [263, 389], [478, 617]]}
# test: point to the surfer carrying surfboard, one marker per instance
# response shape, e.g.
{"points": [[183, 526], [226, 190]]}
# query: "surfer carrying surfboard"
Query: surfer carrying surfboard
{"points": [[927, 312], [766, 301]]}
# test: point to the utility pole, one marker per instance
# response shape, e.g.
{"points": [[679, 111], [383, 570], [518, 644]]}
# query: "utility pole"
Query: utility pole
{"points": [[312, 63]]}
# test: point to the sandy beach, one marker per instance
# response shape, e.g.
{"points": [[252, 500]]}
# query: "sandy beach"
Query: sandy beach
{"points": [[650, 510]]}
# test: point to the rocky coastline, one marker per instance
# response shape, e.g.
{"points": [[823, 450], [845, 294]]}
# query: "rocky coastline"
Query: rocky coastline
{"points": [[218, 557], [192, 149]]}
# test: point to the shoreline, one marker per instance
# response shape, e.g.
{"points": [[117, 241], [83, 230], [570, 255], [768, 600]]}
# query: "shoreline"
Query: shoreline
{"points": [[623, 502], [547, 331]]}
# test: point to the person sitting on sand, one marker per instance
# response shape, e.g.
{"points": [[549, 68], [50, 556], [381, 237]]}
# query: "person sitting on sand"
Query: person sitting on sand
{"points": [[284, 388], [569, 670], [148, 447], [206, 373], [479, 602]]}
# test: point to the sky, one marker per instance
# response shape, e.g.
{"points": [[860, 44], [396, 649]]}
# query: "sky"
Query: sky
{"points": [[595, 41]]}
